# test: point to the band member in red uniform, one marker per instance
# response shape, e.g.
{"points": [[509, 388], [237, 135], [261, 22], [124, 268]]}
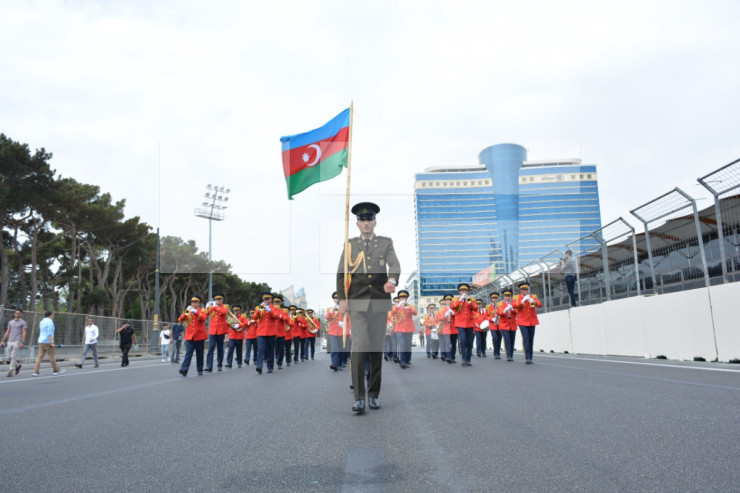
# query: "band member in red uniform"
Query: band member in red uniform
{"points": [[312, 330], [236, 337], [507, 323], [465, 312], [428, 326], [282, 328], [267, 330], [250, 349], [481, 336], [493, 326], [526, 318], [333, 318], [392, 336], [302, 323], [195, 335], [291, 334], [448, 336], [217, 330], [403, 314]]}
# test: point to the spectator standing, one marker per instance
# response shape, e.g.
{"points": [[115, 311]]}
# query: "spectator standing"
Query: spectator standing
{"points": [[46, 344], [15, 334], [165, 337], [569, 266], [177, 331], [91, 343], [127, 337]]}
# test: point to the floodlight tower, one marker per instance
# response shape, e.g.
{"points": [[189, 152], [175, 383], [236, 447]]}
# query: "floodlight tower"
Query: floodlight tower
{"points": [[212, 209]]}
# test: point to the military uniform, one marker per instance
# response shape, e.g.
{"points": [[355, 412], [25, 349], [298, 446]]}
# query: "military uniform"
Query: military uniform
{"points": [[372, 263]]}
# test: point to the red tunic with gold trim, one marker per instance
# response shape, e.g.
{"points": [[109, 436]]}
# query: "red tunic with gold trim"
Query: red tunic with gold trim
{"points": [[405, 316], [465, 312], [196, 329], [316, 322], [332, 317], [238, 335], [526, 314], [506, 320], [218, 324]]}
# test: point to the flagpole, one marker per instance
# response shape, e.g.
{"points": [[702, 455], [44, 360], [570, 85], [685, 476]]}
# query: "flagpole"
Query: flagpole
{"points": [[346, 225]]}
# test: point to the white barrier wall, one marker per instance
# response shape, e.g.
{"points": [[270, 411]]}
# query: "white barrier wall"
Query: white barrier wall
{"points": [[678, 325]]}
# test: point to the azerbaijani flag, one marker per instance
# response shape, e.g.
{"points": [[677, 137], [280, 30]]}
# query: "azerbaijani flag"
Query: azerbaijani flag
{"points": [[317, 155]]}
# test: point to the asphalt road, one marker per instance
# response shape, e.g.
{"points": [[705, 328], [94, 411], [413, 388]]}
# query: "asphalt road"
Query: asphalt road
{"points": [[566, 423]]}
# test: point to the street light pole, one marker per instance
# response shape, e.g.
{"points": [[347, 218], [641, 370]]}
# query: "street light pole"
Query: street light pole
{"points": [[211, 209]]}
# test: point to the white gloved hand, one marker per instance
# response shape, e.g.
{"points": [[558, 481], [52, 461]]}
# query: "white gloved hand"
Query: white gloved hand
{"points": [[236, 326], [193, 310], [268, 308], [209, 304], [341, 323], [525, 299], [507, 310]]}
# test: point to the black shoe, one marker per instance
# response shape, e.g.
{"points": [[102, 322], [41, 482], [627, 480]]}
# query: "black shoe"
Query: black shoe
{"points": [[444, 359], [434, 356], [220, 369], [259, 370], [478, 355], [403, 365], [76, 364], [200, 373], [451, 361], [429, 355], [373, 403], [509, 359], [184, 373], [528, 362], [209, 370], [333, 367], [385, 358], [359, 406], [280, 367], [227, 366], [484, 355], [269, 371], [246, 362]]}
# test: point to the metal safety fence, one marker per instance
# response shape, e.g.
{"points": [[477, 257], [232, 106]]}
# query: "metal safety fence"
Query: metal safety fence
{"points": [[670, 245], [69, 333]]}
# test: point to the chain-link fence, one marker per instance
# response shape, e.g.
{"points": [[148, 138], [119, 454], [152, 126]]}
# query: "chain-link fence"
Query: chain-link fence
{"points": [[673, 247], [69, 334]]}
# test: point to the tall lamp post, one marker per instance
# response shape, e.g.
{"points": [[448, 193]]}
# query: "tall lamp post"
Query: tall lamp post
{"points": [[212, 209]]}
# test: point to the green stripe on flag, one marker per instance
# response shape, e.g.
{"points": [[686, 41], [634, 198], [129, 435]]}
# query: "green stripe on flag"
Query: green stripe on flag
{"points": [[325, 170]]}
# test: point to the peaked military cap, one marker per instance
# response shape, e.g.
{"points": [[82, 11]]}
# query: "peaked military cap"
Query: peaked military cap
{"points": [[365, 210]]}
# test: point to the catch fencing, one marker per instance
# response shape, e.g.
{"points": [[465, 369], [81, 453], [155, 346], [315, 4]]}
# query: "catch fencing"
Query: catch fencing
{"points": [[670, 245]]}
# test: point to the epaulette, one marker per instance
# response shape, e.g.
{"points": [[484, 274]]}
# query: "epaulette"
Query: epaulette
{"points": [[384, 238]]}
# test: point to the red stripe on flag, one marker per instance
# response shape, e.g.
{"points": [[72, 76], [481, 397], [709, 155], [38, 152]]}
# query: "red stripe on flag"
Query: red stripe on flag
{"points": [[295, 160]]}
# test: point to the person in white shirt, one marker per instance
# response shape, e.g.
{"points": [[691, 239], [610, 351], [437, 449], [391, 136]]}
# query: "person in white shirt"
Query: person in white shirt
{"points": [[91, 343], [165, 337]]}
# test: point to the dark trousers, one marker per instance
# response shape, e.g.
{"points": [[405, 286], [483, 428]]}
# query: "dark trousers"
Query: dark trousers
{"points": [[295, 351], [570, 282], [265, 351], [404, 343], [496, 338], [433, 344], [393, 353], [176, 351], [466, 342], [428, 339], [310, 346], [125, 348], [509, 341], [235, 344], [251, 348], [527, 340], [452, 348], [368, 331], [335, 344], [217, 343], [481, 341], [190, 347], [422, 339], [280, 350]]}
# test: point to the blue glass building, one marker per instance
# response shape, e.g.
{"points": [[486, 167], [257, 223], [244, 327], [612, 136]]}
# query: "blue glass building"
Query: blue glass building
{"points": [[502, 213]]}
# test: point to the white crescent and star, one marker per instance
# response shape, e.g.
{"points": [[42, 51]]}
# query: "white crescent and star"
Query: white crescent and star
{"points": [[318, 156]]}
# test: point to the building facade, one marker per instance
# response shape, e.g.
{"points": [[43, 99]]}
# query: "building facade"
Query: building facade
{"points": [[500, 214]]}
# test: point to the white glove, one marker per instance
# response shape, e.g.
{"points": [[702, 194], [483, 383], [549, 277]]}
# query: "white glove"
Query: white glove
{"points": [[400, 304], [236, 326], [449, 312], [193, 310], [463, 296], [508, 309], [525, 299], [341, 324], [209, 304]]}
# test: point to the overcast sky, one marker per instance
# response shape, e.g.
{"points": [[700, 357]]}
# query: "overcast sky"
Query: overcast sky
{"points": [[153, 100]]}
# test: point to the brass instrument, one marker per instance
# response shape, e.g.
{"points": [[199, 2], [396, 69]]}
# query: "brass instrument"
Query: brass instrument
{"points": [[312, 328], [232, 319]]}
